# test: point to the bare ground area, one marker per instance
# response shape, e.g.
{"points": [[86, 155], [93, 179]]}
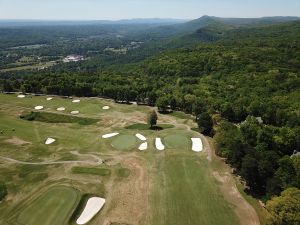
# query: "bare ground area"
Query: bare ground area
{"points": [[17, 141], [128, 200]]}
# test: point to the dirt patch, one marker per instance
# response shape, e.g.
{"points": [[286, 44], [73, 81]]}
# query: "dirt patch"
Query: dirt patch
{"points": [[128, 200], [17, 141], [242, 208]]}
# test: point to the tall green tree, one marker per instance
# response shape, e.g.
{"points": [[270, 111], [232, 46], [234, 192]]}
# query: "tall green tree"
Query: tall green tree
{"points": [[152, 118], [285, 209], [205, 123]]}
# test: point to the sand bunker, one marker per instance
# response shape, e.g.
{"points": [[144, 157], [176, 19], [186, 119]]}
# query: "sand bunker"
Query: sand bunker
{"points": [[49, 99], [159, 145], [110, 135], [21, 96], [93, 206], [61, 109], [197, 144], [143, 146], [49, 141], [76, 101], [106, 107], [141, 137], [39, 107], [75, 112]]}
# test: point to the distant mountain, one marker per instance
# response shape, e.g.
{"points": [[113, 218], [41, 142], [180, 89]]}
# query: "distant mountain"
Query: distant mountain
{"points": [[209, 27], [256, 21], [24, 23]]}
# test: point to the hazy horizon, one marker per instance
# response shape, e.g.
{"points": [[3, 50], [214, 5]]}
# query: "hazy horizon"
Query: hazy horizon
{"points": [[143, 9]]}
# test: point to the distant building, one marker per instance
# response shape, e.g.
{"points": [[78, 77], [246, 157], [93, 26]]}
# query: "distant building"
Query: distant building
{"points": [[73, 58]]}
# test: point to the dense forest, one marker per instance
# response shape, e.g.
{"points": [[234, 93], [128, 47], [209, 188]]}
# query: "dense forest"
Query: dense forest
{"points": [[240, 81]]}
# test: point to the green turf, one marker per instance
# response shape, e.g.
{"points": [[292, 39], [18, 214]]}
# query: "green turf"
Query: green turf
{"points": [[178, 141], [124, 142], [186, 193], [54, 207], [57, 118], [92, 171], [123, 172], [142, 126]]}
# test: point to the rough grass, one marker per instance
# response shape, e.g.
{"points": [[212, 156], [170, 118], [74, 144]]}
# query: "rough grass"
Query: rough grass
{"points": [[141, 126], [124, 142], [54, 207], [186, 193], [91, 171], [181, 115], [57, 118]]}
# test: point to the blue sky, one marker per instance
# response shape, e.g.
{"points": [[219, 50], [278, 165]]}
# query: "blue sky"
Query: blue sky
{"points": [[126, 9]]}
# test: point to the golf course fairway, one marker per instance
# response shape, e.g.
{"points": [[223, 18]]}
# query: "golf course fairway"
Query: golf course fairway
{"points": [[54, 207]]}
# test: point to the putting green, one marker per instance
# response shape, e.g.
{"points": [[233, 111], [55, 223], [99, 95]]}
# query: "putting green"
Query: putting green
{"points": [[178, 141], [124, 142], [54, 207]]}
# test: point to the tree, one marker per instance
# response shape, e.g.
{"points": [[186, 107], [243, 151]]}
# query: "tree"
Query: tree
{"points": [[162, 103], [285, 209], [152, 118], [205, 123]]}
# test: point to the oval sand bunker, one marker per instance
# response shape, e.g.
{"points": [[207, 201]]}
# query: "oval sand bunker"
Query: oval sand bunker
{"points": [[106, 107], [49, 99], [49, 141], [21, 96], [76, 101], [75, 112], [143, 146], [159, 145], [197, 144], [141, 137], [61, 109], [109, 135], [39, 107], [93, 206]]}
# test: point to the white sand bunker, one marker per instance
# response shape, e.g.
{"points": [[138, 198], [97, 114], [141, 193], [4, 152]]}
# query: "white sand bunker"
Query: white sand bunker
{"points": [[21, 96], [159, 145], [49, 141], [141, 137], [106, 107], [197, 144], [76, 101], [75, 112], [143, 146], [93, 206], [49, 99], [110, 135], [39, 107], [61, 109]]}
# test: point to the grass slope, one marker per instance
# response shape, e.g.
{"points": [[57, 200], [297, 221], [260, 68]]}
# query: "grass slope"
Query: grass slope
{"points": [[54, 207]]}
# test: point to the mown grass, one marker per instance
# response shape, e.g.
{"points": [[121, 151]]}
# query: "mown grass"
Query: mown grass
{"points": [[56, 118], [92, 171], [186, 193], [124, 142], [142, 126], [54, 207], [178, 141], [123, 172]]}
